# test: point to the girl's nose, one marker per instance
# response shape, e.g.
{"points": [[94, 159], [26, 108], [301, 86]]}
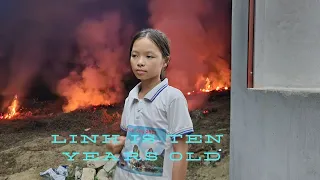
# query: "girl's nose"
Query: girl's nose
{"points": [[141, 62], [140, 65]]}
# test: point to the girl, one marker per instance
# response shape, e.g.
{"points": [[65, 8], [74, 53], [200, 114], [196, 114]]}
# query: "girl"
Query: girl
{"points": [[155, 117]]}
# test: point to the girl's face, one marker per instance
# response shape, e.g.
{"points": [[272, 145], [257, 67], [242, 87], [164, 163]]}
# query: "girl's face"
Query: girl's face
{"points": [[146, 60]]}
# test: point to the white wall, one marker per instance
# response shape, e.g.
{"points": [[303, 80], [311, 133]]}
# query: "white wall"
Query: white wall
{"points": [[287, 44], [274, 137]]}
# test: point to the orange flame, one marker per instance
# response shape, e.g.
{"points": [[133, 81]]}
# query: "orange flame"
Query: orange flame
{"points": [[209, 86], [12, 109]]}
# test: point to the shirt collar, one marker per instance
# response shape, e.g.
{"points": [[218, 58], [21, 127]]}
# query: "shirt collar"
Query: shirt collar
{"points": [[151, 95]]}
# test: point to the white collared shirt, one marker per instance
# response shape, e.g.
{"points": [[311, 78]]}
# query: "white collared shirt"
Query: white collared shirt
{"points": [[162, 112]]}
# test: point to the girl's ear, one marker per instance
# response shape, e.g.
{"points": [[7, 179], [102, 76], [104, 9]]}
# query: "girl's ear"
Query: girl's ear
{"points": [[167, 61]]}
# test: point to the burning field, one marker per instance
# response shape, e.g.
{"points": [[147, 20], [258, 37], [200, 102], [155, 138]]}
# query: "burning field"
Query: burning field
{"points": [[15, 110], [26, 149], [64, 69]]}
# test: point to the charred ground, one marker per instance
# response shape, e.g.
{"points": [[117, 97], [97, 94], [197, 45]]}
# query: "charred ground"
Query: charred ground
{"points": [[26, 149]]}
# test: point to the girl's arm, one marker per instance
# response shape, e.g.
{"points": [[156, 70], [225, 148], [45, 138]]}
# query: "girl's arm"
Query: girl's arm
{"points": [[115, 148], [179, 170], [180, 123]]}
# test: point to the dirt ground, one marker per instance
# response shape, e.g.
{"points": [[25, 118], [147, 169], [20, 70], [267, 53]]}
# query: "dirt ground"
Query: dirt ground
{"points": [[26, 148]]}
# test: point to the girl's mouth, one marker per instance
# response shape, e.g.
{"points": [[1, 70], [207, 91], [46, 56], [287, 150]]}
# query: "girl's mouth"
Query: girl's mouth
{"points": [[141, 71]]}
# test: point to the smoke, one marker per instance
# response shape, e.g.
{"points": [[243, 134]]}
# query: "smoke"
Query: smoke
{"points": [[27, 29], [100, 52], [79, 47], [21, 70], [200, 40], [51, 38]]}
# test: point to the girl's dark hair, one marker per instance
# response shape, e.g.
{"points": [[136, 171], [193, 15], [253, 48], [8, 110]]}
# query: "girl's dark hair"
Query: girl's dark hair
{"points": [[159, 39]]}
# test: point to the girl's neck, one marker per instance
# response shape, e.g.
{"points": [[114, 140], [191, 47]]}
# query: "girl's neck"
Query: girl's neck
{"points": [[148, 85]]}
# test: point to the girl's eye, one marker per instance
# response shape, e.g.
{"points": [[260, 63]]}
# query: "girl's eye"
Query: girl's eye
{"points": [[133, 55], [149, 57]]}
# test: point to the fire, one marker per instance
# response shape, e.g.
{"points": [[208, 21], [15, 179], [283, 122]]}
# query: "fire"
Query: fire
{"points": [[209, 86], [12, 109]]}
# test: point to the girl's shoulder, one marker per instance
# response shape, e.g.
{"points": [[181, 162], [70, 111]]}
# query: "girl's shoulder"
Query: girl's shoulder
{"points": [[173, 93]]}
